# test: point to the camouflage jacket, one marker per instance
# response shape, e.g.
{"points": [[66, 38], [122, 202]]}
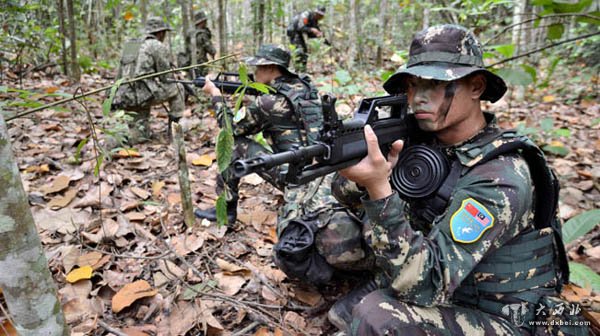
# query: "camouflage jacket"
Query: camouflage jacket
{"points": [[303, 22], [426, 262], [269, 113], [154, 57], [204, 45]]}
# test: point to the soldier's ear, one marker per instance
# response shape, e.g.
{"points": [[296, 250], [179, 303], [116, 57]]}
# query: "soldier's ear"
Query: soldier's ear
{"points": [[477, 84]]}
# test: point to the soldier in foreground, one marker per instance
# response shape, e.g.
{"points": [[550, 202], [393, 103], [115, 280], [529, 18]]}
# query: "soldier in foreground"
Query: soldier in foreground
{"points": [[289, 117], [484, 255], [307, 23], [148, 57]]}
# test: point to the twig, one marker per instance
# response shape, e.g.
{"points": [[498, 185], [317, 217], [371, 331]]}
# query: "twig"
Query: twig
{"points": [[111, 329], [102, 89], [246, 329], [543, 48], [538, 18]]}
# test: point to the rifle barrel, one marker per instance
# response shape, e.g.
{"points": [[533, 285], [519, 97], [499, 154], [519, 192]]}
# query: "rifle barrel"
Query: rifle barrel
{"points": [[265, 162]]}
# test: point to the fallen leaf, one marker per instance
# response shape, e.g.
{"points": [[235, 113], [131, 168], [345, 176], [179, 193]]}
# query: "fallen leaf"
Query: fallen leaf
{"points": [[186, 244], [156, 188], [232, 269], [8, 329], [125, 153], [51, 89], [135, 216], [184, 316], [253, 179], [89, 259], [293, 319], [268, 294], [203, 160], [309, 297], [174, 198], [81, 273], [548, 99], [277, 332], [130, 293], [262, 331], [230, 284], [59, 202], [145, 330], [141, 193], [60, 183], [38, 169], [170, 270]]}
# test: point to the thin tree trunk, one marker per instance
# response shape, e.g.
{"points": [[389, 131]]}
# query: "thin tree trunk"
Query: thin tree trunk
{"points": [[144, 11], [63, 36], [222, 27], [75, 72], [25, 279], [259, 28], [189, 41], [184, 176], [353, 54], [383, 23]]}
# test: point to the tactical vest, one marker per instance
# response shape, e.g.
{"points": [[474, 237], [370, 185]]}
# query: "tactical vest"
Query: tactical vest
{"points": [[306, 106], [540, 248]]}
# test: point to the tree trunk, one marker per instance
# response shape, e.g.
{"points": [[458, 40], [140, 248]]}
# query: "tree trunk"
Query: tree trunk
{"points": [[222, 27], [63, 35], [189, 41], [258, 30], [383, 23], [517, 31], [25, 279], [144, 11], [353, 54], [75, 71]]}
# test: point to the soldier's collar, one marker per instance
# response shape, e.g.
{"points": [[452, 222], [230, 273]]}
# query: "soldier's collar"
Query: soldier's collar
{"points": [[469, 149]]}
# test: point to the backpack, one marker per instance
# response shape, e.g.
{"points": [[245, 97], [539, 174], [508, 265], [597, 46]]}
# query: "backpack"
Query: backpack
{"points": [[127, 97]]}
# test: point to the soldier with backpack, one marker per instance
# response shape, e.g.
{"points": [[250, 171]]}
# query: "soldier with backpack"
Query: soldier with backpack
{"points": [[202, 36], [483, 254], [143, 57]]}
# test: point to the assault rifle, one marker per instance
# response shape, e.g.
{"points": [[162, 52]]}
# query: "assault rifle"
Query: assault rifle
{"points": [[227, 82], [341, 143]]}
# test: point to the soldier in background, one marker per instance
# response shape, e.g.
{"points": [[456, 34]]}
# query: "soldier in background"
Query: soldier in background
{"points": [[202, 36], [146, 57], [307, 23]]}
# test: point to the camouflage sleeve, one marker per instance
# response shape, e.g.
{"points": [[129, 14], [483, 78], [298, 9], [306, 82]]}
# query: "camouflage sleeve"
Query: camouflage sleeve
{"points": [[491, 204], [252, 118]]}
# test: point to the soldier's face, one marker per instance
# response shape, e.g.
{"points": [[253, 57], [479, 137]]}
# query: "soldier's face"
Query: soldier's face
{"points": [[437, 105]]}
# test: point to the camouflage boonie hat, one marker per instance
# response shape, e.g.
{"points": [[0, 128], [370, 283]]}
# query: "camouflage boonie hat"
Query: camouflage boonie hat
{"points": [[270, 54], [321, 10], [446, 53], [155, 24], [199, 16]]}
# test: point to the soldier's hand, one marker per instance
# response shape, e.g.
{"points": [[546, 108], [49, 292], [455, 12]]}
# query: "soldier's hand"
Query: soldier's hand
{"points": [[373, 171], [210, 88], [317, 32]]}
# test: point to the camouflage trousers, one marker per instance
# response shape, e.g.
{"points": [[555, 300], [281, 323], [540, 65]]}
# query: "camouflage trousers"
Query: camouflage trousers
{"points": [[380, 313], [300, 54], [139, 127]]}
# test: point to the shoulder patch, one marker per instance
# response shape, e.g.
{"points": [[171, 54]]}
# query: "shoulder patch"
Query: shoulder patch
{"points": [[470, 221]]}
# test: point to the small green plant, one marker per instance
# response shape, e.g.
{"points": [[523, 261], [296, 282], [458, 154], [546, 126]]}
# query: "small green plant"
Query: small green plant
{"points": [[546, 134], [574, 228]]}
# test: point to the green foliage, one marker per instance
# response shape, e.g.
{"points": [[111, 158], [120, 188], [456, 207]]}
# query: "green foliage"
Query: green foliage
{"points": [[221, 208], [544, 134], [584, 276], [515, 76], [580, 225], [555, 31]]}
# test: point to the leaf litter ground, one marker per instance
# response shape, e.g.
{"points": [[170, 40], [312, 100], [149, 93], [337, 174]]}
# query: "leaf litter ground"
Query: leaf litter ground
{"points": [[125, 262]]}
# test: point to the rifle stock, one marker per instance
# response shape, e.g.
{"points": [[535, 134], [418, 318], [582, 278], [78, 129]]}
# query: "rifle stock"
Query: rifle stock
{"points": [[341, 143]]}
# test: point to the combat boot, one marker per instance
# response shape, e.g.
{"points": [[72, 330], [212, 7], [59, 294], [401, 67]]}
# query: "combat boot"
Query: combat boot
{"points": [[340, 314], [211, 213]]}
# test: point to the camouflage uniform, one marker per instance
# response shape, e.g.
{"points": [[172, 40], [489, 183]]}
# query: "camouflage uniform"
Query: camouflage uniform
{"points": [[480, 266], [153, 56], [302, 24], [204, 46], [274, 116]]}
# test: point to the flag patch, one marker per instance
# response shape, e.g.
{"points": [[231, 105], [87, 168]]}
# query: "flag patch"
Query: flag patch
{"points": [[470, 221]]}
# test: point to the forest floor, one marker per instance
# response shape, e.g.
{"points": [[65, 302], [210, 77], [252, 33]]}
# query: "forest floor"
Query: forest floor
{"points": [[152, 275]]}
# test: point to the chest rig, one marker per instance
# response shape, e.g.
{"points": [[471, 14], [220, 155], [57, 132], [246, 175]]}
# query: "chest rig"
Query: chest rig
{"points": [[425, 177], [307, 115]]}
